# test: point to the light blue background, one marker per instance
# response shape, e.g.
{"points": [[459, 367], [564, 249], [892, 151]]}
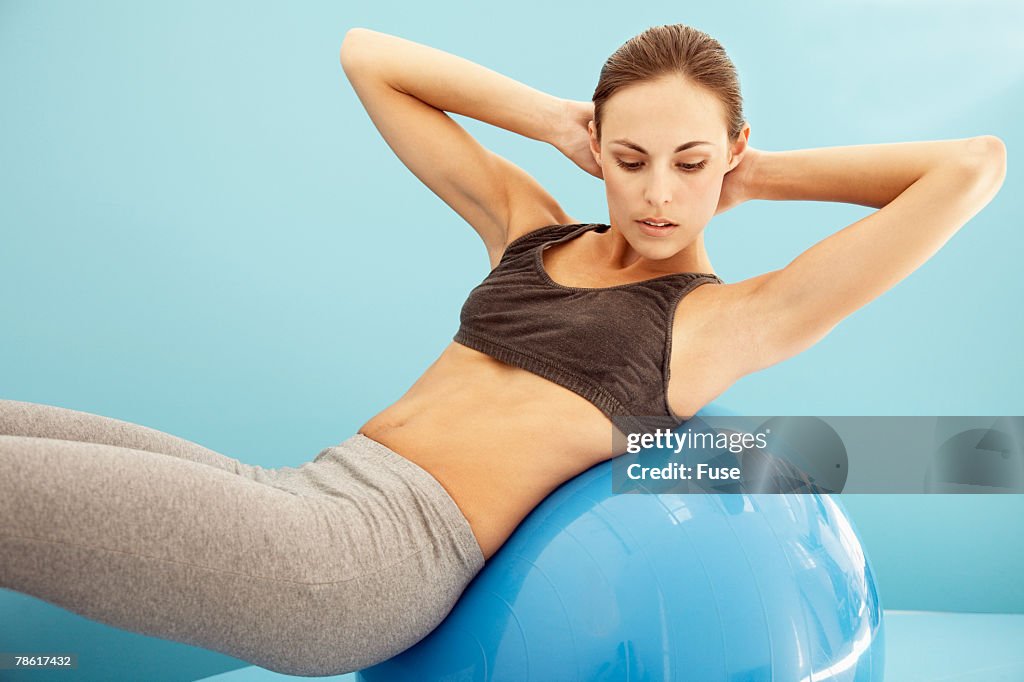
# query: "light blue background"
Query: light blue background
{"points": [[201, 231]]}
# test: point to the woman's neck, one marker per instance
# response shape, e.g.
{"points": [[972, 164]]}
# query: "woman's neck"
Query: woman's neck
{"points": [[614, 253]]}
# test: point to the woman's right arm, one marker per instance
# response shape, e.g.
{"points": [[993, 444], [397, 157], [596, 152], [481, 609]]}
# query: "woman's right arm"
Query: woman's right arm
{"points": [[406, 89]]}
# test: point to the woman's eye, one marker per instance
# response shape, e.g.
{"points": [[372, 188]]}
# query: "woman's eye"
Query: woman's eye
{"points": [[685, 166]]}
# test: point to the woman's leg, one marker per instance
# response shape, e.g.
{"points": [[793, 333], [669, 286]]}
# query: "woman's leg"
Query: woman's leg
{"points": [[342, 563], [311, 583], [18, 418]]}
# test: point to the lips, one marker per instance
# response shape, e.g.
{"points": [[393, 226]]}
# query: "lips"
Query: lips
{"points": [[653, 231], [659, 222]]}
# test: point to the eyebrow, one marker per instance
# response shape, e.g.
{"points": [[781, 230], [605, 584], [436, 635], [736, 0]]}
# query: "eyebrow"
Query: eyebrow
{"points": [[680, 148]]}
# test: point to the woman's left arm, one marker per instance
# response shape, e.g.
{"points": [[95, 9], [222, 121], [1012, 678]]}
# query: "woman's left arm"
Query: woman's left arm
{"points": [[925, 192]]}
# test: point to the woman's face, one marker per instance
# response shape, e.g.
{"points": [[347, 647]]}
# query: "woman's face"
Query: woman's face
{"points": [[663, 154]]}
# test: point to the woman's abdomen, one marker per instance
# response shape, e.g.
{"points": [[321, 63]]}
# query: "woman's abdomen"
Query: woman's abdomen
{"points": [[498, 438]]}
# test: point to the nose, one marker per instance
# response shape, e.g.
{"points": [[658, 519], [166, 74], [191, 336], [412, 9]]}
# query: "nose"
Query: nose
{"points": [[659, 189]]}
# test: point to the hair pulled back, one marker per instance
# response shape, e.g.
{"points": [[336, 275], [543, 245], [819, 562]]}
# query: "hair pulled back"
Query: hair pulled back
{"points": [[673, 49]]}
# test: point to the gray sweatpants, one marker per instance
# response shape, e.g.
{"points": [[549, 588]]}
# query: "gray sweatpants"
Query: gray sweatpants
{"points": [[322, 569]]}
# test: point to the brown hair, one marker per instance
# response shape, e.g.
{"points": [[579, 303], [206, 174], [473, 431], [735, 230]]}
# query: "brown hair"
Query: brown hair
{"points": [[673, 49]]}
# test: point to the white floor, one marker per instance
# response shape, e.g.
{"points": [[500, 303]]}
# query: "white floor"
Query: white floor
{"points": [[931, 646]]}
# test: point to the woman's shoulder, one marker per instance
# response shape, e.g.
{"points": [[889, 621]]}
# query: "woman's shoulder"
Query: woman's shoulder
{"points": [[522, 225], [724, 331], [526, 230]]}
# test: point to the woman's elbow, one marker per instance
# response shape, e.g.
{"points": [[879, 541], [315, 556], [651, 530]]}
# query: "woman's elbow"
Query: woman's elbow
{"points": [[350, 44], [987, 153], [983, 168]]}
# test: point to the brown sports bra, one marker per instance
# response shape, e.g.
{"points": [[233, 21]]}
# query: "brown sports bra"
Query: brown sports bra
{"points": [[611, 345]]}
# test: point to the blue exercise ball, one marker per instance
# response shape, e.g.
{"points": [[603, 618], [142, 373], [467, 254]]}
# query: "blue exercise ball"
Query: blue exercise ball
{"points": [[600, 586]]}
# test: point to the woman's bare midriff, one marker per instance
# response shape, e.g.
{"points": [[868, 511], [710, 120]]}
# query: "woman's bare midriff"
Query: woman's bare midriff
{"points": [[498, 438]]}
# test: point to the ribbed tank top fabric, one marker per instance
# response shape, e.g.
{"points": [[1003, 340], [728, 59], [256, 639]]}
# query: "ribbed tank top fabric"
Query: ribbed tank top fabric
{"points": [[610, 345]]}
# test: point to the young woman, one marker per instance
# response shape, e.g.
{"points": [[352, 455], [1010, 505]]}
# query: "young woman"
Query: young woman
{"points": [[357, 555]]}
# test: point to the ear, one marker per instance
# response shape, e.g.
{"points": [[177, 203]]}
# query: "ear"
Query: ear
{"points": [[595, 147], [738, 147]]}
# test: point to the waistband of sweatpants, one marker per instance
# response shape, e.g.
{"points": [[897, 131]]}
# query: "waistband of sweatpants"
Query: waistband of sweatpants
{"points": [[431, 487]]}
